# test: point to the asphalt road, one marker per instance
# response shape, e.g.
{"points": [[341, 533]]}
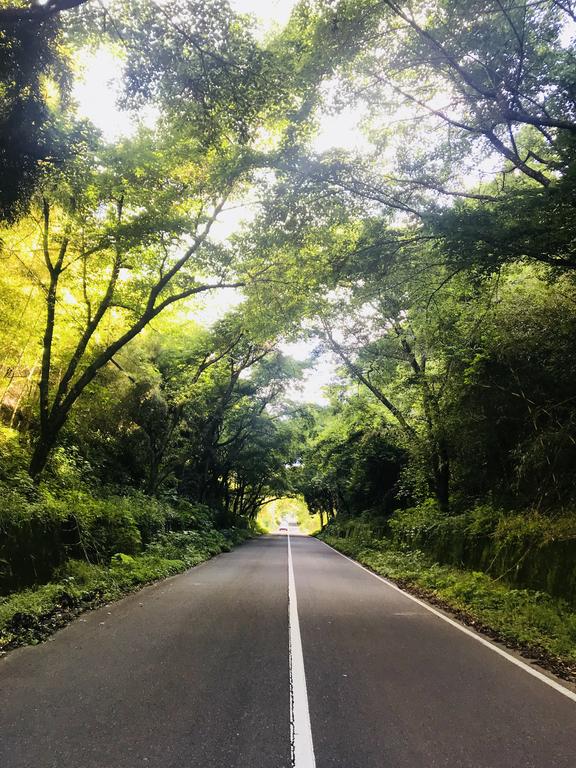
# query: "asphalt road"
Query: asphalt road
{"points": [[194, 673]]}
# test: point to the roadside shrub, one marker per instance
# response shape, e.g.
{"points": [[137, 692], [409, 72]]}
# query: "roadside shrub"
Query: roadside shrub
{"points": [[414, 525], [43, 527], [32, 538], [527, 550], [188, 546], [14, 458], [80, 572], [40, 529], [151, 516], [360, 531], [186, 515], [107, 527]]}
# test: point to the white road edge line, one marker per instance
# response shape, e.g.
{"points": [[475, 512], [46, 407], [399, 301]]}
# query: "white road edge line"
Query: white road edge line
{"points": [[482, 640], [301, 742]]}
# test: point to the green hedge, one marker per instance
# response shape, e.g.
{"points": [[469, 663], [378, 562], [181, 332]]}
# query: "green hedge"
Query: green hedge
{"points": [[529, 550], [40, 529]]}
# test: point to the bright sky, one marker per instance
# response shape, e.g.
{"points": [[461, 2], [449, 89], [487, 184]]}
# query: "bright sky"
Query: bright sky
{"points": [[269, 14]]}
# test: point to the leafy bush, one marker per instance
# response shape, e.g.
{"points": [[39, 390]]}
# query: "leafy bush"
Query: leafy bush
{"points": [[151, 516], [190, 547], [14, 459], [32, 538], [41, 528], [359, 531], [413, 525], [528, 550]]}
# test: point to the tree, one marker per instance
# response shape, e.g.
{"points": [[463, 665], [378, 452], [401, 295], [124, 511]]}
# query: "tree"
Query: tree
{"points": [[510, 408], [159, 405], [233, 434], [35, 12], [422, 431], [484, 78], [351, 462], [120, 262], [525, 225], [36, 129], [195, 62]]}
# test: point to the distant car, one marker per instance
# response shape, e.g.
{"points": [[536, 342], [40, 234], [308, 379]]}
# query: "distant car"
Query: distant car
{"points": [[283, 527]]}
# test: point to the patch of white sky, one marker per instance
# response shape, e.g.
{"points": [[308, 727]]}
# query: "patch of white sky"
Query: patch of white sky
{"points": [[340, 127], [97, 91], [269, 15]]}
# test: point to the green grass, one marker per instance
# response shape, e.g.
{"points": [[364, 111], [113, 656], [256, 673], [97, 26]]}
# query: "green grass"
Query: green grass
{"points": [[30, 616], [533, 621], [273, 512]]}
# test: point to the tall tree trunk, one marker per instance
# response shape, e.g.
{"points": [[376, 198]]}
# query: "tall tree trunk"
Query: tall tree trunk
{"points": [[441, 474], [42, 450], [54, 411], [153, 474], [440, 459], [24, 391]]}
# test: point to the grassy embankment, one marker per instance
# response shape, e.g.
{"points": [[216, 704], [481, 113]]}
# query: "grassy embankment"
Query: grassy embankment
{"points": [[540, 626], [31, 615], [70, 544], [272, 513]]}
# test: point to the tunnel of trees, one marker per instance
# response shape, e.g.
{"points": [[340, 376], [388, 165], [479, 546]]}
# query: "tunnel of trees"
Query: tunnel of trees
{"points": [[431, 264]]}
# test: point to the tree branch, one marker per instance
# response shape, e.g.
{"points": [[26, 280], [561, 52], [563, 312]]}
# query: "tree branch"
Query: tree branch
{"points": [[36, 12], [357, 373]]}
